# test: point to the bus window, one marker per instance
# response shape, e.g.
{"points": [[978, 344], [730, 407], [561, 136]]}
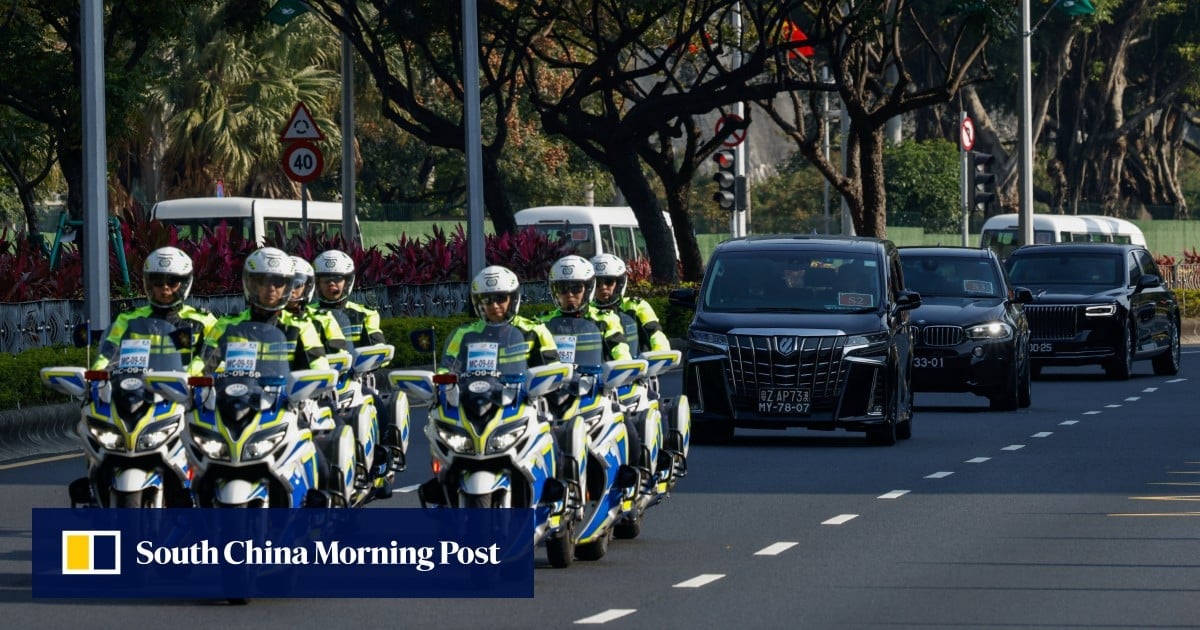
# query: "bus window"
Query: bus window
{"points": [[639, 244], [606, 240], [622, 242], [293, 228], [333, 229]]}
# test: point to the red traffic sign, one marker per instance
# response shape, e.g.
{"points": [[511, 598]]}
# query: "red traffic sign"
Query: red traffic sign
{"points": [[966, 133], [300, 126], [737, 137], [303, 162]]}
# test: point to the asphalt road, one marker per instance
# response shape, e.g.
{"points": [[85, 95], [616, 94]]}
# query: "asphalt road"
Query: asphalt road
{"points": [[1077, 512]]}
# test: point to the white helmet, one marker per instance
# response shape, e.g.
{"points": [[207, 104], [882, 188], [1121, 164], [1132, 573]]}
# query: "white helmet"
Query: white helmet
{"points": [[609, 266], [267, 265], [338, 264], [571, 271], [496, 280], [170, 264], [305, 277]]}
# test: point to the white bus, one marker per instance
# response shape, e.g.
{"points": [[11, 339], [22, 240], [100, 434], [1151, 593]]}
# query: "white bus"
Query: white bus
{"points": [[593, 229], [252, 218], [1001, 232]]}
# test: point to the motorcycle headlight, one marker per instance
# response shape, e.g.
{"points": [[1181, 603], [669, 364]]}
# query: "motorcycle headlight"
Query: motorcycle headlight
{"points": [[106, 434], [157, 434], [456, 439], [210, 443], [1100, 310], [716, 340], [990, 331], [866, 344], [262, 444], [503, 440]]}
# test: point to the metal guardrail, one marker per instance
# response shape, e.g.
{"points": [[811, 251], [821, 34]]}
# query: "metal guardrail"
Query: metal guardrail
{"points": [[27, 325]]}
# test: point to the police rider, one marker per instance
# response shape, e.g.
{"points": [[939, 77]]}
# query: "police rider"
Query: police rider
{"points": [[167, 279], [300, 305], [496, 298], [612, 278], [335, 281]]}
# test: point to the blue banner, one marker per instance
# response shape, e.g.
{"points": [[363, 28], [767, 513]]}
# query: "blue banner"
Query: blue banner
{"points": [[221, 554]]}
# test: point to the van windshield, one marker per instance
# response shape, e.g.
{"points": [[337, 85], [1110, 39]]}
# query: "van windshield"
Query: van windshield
{"points": [[578, 235], [779, 281], [1004, 240], [194, 228]]}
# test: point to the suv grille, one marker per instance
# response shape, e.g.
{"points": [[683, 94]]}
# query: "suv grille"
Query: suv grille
{"points": [[1051, 322], [758, 361], [942, 335]]}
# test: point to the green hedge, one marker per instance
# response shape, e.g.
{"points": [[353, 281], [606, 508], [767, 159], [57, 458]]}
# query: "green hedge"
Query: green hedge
{"points": [[21, 380]]}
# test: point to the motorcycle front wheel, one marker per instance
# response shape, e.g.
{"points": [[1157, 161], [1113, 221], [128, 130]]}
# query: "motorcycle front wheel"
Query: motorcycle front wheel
{"points": [[483, 501]]}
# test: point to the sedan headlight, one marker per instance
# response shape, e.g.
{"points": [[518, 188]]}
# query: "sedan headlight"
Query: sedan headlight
{"points": [[1100, 310], [264, 442], [106, 434], [211, 444], [866, 344], [716, 340], [990, 331], [157, 434], [456, 439], [505, 438]]}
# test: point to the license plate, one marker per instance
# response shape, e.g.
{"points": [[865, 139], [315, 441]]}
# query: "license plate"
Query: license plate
{"points": [[1041, 347], [784, 400], [935, 363]]}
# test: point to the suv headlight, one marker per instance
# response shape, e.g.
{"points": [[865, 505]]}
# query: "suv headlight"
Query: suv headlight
{"points": [[1100, 310], [866, 344], [505, 438], [990, 331], [716, 340], [456, 439]]}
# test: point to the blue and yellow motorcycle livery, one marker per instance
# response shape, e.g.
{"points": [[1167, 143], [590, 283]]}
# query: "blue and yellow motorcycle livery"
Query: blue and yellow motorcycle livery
{"points": [[245, 438], [607, 482], [489, 447], [132, 421]]}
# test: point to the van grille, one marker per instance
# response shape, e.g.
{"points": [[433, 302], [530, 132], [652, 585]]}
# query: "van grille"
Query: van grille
{"points": [[813, 363], [1052, 322], [940, 336]]}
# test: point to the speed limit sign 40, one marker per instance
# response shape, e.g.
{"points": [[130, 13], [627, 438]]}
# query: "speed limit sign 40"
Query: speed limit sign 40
{"points": [[303, 162]]}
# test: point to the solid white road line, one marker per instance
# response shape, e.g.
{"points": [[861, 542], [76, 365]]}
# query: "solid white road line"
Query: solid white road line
{"points": [[939, 475], [607, 616], [700, 580], [1042, 434], [1067, 423], [894, 494], [1013, 447], [43, 460], [977, 460], [774, 549], [840, 519]]}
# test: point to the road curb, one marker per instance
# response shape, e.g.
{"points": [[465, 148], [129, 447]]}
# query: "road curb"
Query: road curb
{"points": [[35, 431]]}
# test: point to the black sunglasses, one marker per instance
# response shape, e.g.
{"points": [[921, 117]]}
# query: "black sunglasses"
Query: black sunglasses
{"points": [[576, 287], [494, 298], [163, 280], [608, 282], [277, 281]]}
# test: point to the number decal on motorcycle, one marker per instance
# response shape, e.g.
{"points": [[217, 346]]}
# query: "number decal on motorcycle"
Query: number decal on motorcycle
{"points": [[135, 355], [566, 347], [483, 357], [241, 356]]}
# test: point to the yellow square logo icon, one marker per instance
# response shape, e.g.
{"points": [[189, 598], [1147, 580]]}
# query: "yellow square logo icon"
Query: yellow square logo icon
{"points": [[91, 552]]}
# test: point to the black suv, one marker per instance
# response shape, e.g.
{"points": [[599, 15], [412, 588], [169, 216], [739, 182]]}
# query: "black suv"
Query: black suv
{"points": [[800, 331], [972, 335], [1097, 303]]}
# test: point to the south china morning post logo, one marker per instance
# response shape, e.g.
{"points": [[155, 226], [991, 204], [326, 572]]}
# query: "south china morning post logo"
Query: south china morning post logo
{"points": [[91, 552]]}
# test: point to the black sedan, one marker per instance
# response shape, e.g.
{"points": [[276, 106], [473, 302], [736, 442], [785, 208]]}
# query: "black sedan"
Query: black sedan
{"points": [[1097, 303], [971, 331]]}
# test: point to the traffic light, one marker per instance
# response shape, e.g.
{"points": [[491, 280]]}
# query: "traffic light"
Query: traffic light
{"points": [[981, 181], [726, 195]]}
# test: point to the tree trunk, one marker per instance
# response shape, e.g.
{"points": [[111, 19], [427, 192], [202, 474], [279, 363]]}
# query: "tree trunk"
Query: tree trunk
{"points": [[628, 176], [874, 195]]}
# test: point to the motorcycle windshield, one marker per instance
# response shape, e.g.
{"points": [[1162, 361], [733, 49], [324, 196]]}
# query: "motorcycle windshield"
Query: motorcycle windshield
{"points": [[497, 351], [148, 344], [579, 341], [255, 365]]}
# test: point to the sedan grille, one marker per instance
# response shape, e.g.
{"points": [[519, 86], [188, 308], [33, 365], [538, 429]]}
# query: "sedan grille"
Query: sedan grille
{"points": [[942, 335], [813, 363], [1051, 322]]}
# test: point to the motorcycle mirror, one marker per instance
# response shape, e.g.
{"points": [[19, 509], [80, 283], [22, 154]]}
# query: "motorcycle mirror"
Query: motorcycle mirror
{"points": [[96, 375]]}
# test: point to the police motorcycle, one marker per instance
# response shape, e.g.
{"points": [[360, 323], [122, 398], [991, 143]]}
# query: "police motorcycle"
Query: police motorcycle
{"points": [[489, 446], [373, 463], [132, 420], [608, 482], [245, 436]]}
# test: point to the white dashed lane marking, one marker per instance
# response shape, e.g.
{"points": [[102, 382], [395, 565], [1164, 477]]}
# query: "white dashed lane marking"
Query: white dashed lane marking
{"points": [[1091, 413], [1042, 434], [1177, 380], [774, 549], [894, 494], [1112, 406], [942, 474], [1013, 447], [1133, 399], [1067, 423], [840, 519], [700, 580], [977, 460], [1149, 390], [607, 616]]}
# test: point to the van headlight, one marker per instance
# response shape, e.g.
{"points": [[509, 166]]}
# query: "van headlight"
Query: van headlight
{"points": [[990, 331], [1100, 310], [716, 340], [866, 344]]}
